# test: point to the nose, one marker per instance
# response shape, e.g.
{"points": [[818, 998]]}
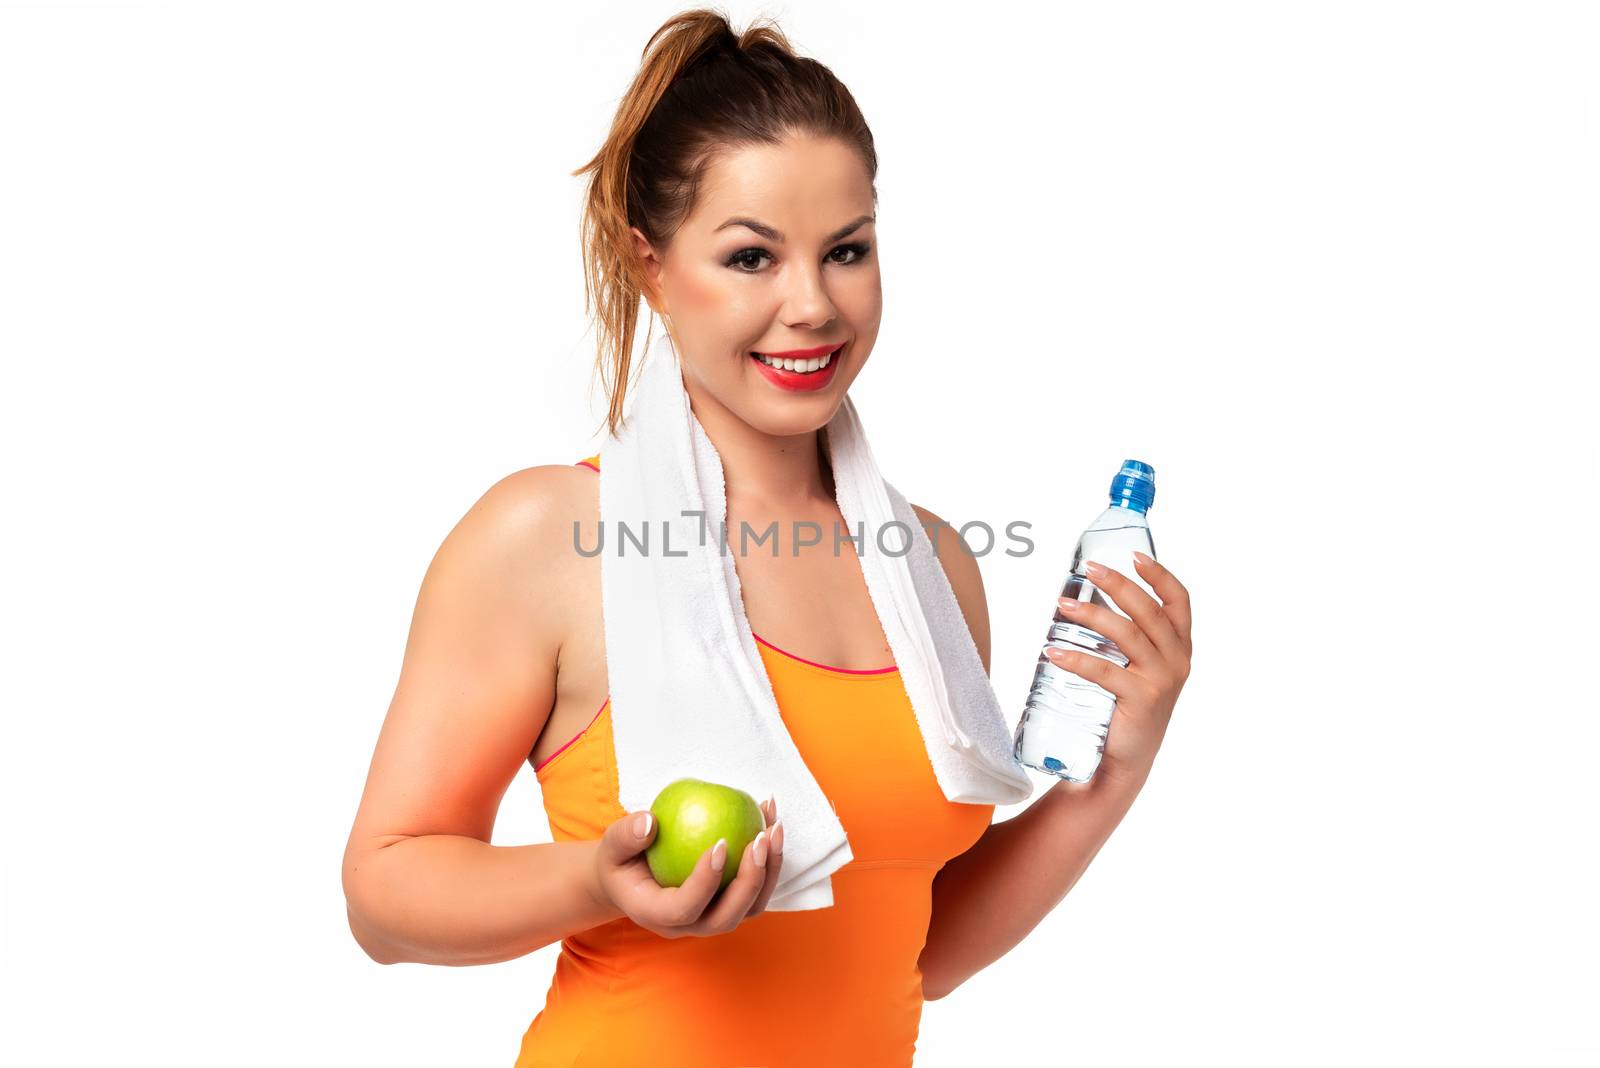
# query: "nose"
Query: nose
{"points": [[806, 304]]}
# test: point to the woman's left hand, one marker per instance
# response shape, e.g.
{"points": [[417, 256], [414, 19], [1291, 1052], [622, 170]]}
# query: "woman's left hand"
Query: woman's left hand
{"points": [[1156, 642]]}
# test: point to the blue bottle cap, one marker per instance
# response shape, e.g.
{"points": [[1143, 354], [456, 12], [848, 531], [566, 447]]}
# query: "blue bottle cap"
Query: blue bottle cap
{"points": [[1134, 486]]}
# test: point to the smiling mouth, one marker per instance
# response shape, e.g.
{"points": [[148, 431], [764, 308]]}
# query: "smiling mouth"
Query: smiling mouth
{"points": [[802, 366]]}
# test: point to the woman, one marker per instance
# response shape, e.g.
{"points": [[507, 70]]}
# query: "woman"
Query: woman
{"points": [[735, 194]]}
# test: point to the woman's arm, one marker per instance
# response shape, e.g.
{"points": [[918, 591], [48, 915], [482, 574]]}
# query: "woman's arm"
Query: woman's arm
{"points": [[450, 899], [986, 900], [421, 881]]}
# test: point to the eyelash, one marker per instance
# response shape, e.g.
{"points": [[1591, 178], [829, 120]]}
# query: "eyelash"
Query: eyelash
{"points": [[860, 248]]}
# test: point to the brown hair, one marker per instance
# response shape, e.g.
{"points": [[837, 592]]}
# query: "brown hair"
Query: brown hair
{"points": [[700, 89]]}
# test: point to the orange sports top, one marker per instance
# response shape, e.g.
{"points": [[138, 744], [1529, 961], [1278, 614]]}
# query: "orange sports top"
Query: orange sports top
{"points": [[832, 986]]}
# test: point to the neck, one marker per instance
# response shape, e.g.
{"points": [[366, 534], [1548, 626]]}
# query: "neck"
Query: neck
{"points": [[774, 472]]}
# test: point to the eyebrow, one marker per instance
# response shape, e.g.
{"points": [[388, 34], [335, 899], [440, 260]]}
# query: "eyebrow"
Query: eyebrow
{"points": [[772, 234]]}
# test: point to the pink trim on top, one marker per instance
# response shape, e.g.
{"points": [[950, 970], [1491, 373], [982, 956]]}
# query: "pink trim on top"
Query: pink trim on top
{"points": [[825, 667], [541, 765], [843, 671]]}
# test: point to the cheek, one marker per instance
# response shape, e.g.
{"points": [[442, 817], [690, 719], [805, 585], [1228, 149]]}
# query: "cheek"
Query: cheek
{"points": [[862, 304], [713, 295], [862, 300], [693, 291]]}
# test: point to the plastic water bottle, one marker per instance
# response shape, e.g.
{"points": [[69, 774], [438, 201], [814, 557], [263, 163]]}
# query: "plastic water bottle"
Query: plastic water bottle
{"points": [[1064, 725]]}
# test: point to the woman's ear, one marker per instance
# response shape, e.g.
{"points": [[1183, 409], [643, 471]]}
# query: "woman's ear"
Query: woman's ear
{"points": [[650, 272]]}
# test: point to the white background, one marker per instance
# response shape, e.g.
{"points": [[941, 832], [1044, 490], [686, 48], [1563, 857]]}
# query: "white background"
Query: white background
{"points": [[285, 287]]}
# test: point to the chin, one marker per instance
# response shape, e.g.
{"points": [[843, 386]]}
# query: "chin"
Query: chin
{"points": [[792, 419]]}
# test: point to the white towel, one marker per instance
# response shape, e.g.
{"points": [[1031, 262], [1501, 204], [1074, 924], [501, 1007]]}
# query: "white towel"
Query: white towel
{"points": [[690, 695]]}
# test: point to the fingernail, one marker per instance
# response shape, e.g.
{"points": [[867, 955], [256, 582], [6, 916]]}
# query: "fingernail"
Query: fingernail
{"points": [[719, 854], [1095, 570], [641, 824], [1142, 558], [759, 853], [1068, 604], [777, 838]]}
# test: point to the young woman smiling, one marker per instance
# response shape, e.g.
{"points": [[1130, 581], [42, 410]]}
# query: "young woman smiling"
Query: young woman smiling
{"points": [[735, 194]]}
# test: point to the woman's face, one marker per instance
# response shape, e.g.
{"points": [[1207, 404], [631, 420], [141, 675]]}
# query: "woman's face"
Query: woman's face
{"points": [[779, 254]]}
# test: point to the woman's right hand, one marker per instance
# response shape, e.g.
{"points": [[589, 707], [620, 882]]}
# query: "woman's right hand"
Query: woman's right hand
{"points": [[625, 879]]}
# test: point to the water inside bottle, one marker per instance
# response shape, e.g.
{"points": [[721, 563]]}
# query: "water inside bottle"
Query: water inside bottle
{"points": [[1064, 726], [1067, 718]]}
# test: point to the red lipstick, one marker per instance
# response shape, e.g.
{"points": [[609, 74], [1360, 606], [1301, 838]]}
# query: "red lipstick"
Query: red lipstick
{"points": [[801, 381]]}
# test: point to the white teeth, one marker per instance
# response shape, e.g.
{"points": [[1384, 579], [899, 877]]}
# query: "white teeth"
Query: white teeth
{"points": [[816, 363]]}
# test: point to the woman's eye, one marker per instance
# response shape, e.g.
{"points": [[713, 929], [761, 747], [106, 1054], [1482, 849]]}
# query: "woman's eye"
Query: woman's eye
{"points": [[748, 260], [742, 258], [857, 250]]}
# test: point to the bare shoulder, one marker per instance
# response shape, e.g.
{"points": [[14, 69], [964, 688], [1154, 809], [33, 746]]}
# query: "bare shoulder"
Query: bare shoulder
{"points": [[533, 498], [966, 580], [524, 524]]}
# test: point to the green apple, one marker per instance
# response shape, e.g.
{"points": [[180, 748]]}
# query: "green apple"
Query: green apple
{"points": [[691, 815]]}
